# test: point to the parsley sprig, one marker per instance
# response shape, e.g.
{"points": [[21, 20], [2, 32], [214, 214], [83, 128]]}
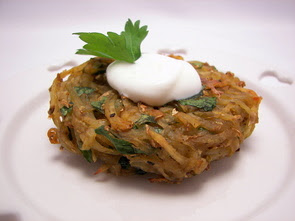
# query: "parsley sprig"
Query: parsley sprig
{"points": [[123, 47]]}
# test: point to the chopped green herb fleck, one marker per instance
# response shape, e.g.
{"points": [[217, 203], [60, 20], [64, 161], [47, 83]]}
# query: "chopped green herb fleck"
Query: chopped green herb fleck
{"points": [[144, 119], [158, 130], [197, 64], [65, 110], [194, 96], [204, 103], [123, 47], [124, 162], [87, 155], [98, 104], [122, 146], [84, 90]]}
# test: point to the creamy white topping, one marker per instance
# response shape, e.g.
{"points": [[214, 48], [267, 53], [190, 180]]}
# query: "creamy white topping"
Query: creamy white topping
{"points": [[154, 79]]}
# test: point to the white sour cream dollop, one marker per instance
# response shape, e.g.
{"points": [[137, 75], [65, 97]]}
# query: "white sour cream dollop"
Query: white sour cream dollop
{"points": [[154, 79]]}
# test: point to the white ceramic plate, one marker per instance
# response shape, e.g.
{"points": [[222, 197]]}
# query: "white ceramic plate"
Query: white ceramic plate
{"points": [[39, 182]]}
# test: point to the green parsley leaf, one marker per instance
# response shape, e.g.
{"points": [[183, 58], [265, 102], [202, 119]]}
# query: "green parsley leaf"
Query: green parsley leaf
{"points": [[197, 64], [144, 119], [87, 155], [214, 68], [65, 110], [122, 146], [195, 96], [204, 103], [123, 47], [83, 90], [98, 104]]}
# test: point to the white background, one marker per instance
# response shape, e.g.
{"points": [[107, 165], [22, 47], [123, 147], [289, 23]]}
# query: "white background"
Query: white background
{"points": [[39, 32]]}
